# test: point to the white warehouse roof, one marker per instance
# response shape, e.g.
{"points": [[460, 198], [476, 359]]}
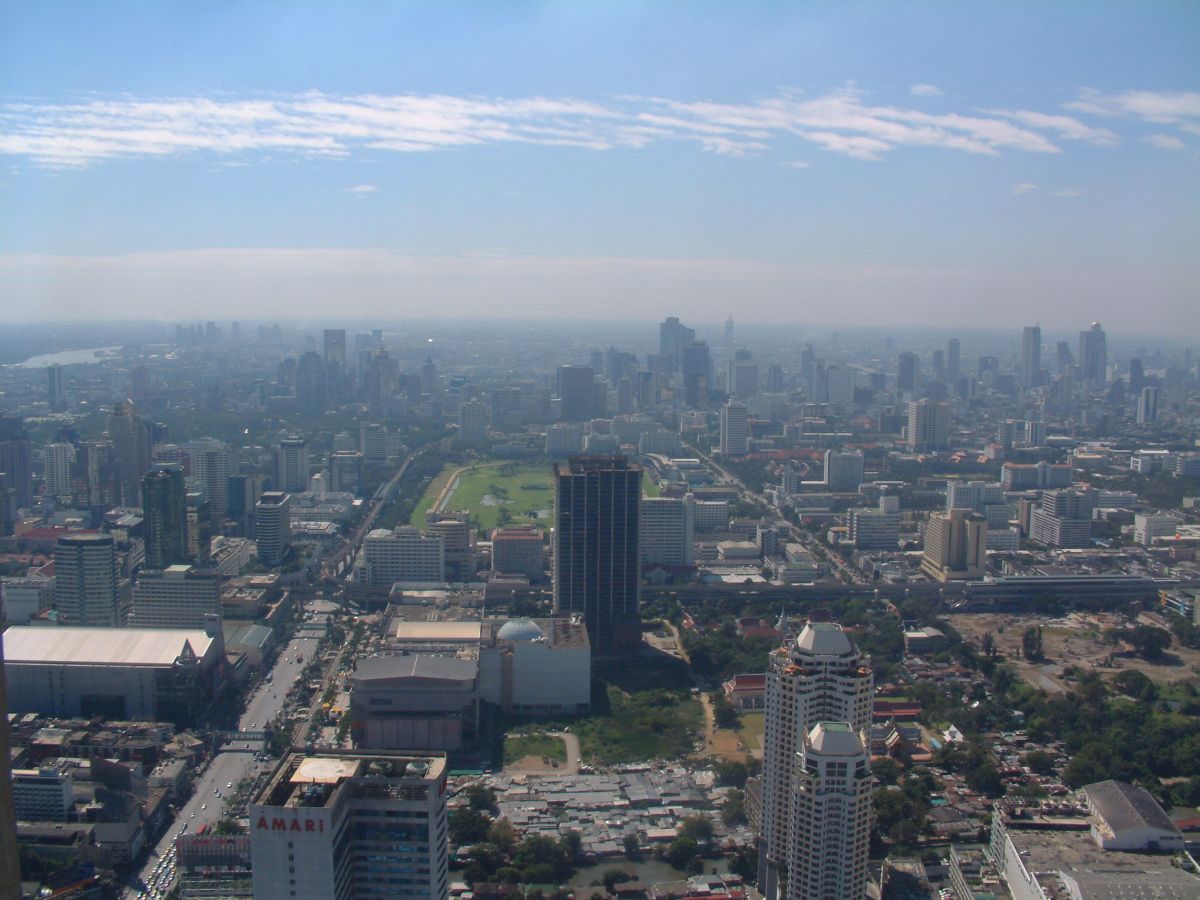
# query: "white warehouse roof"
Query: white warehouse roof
{"points": [[102, 646]]}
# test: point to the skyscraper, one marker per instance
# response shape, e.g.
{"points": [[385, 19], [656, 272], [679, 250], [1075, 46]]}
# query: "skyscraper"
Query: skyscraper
{"points": [[596, 551], [906, 372], [1031, 356], [57, 462], [273, 527], [472, 423], [673, 336], [735, 428], [576, 393], [843, 470], [955, 545], [953, 350], [928, 426], [56, 396], [335, 364], [668, 531], [87, 589], [131, 451], [832, 817], [212, 462], [818, 677], [1147, 408], [292, 465], [1093, 354], [311, 389], [16, 460], [164, 504], [350, 826], [696, 368], [335, 347]]}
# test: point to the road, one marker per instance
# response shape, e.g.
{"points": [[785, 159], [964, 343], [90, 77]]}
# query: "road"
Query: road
{"points": [[226, 768], [335, 564], [848, 573]]}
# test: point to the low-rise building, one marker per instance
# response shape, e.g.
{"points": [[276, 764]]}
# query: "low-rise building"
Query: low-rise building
{"points": [[118, 673]]}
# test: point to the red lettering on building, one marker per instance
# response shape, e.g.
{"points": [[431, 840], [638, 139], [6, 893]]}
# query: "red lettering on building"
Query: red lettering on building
{"points": [[309, 825], [262, 823], [278, 825]]}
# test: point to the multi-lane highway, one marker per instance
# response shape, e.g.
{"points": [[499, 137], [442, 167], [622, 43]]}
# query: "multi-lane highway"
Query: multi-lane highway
{"points": [[227, 768]]}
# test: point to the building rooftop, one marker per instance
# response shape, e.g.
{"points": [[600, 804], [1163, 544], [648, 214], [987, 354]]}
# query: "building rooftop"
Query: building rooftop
{"points": [[424, 667], [835, 739], [314, 780], [824, 639], [1125, 806], [103, 646], [456, 631]]}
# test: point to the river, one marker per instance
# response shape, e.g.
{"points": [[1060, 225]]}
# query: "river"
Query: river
{"points": [[68, 358]]}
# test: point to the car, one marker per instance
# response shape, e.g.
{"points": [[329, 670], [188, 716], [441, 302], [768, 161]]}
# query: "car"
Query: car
{"points": [[216, 791], [193, 815], [229, 785]]}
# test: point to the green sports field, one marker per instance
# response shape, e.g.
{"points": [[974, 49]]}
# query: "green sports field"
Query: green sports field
{"points": [[497, 493]]}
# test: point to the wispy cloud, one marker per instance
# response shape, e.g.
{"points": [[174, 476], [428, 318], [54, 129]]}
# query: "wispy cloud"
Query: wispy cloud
{"points": [[1066, 128], [1026, 187], [317, 124], [925, 90], [1164, 141], [1163, 107], [362, 190]]}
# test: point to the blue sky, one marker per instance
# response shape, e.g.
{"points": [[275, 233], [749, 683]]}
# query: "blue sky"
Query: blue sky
{"points": [[941, 163]]}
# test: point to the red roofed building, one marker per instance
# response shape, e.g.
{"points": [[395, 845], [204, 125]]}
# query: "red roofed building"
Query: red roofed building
{"points": [[746, 692]]}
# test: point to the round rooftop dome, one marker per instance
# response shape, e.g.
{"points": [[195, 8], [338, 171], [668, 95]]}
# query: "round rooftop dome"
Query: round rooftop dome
{"points": [[519, 630]]}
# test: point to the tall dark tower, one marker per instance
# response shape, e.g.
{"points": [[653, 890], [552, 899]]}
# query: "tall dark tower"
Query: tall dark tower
{"points": [[164, 502], [16, 460], [597, 552], [131, 450], [577, 391], [55, 395]]}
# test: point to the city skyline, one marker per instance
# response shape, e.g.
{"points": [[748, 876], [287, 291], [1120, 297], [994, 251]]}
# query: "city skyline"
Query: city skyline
{"points": [[794, 166]]}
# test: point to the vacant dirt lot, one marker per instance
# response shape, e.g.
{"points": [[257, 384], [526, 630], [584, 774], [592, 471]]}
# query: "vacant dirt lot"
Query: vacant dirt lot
{"points": [[1075, 640]]}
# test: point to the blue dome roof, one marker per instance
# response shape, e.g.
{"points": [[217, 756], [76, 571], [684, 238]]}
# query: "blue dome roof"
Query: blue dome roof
{"points": [[519, 630]]}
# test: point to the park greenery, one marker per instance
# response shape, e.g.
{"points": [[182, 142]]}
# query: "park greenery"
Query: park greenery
{"points": [[661, 723], [536, 743]]}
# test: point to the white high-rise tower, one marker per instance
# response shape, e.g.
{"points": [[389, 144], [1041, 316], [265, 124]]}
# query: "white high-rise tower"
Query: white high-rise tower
{"points": [[831, 816], [821, 677]]}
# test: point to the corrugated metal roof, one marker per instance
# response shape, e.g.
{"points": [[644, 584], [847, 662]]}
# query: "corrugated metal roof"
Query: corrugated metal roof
{"points": [[102, 646]]}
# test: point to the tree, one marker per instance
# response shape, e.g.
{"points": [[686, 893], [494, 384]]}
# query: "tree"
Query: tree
{"points": [[733, 811], [724, 714], [1135, 684], [1149, 641], [613, 877], [502, 835], [229, 826], [468, 826], [682, 852], [698, 828], [731, 773], [1031, 643], [989, 644], [480, 797], [1039, 762], [633, 850]]}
